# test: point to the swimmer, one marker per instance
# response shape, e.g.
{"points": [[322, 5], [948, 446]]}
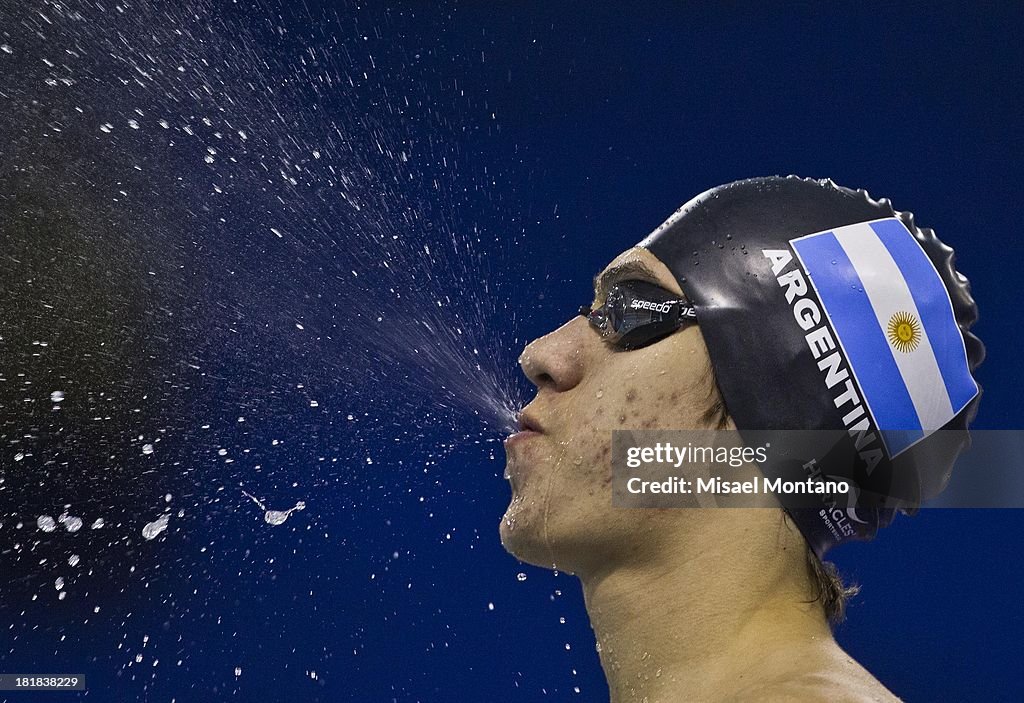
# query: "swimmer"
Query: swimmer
{"points": [[696, 328]]}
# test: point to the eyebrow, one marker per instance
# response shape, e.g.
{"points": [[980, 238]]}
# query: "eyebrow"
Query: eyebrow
{"points": [[637, 269]]}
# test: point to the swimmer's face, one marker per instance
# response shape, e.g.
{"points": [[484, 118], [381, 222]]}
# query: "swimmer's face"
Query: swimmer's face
{"points": [[561, 512]]}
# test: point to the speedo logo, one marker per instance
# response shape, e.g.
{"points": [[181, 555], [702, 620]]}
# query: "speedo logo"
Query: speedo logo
{"points": [[648, 305]]}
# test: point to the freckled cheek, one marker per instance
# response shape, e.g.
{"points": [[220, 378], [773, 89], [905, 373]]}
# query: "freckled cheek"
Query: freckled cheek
{"points": [[586, 465], [593, 475], [646, 409], [595, 452], [588, 459]]}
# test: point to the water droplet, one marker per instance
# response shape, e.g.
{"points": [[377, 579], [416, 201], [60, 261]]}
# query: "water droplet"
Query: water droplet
{"points": [[276, 517], [152, 529]]}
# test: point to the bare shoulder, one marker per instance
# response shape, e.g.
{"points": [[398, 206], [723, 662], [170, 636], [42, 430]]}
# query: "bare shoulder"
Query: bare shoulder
{"points": [[835, 679], [826, 688]]}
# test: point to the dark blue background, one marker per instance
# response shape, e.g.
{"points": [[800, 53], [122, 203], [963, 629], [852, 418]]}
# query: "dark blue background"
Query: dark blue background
{"points": [[606, 119]]}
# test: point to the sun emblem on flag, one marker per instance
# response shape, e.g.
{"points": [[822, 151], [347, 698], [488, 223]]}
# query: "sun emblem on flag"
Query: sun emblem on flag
{"points": [[904, 331]]}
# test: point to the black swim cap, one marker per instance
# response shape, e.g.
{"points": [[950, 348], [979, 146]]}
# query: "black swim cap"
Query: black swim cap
{"points": [[823, 309]]}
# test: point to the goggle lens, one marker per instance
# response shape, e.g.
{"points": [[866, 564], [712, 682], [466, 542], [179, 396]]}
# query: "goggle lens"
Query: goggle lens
{"points": [[637, 313]]}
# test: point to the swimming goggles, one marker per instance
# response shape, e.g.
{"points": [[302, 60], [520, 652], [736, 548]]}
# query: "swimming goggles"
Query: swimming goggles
{"points": [[638, 313]]}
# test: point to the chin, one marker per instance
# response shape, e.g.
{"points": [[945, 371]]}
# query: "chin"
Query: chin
{"points": [[523, 537]]}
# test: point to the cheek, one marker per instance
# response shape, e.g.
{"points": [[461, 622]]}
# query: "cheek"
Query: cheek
{"points": [[638, 406], [586, 465], [599, 467], [650, 391], [669, 387]]}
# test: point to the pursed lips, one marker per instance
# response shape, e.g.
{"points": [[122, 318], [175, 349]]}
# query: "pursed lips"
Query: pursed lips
{"points": [[529, 423], [529, 426]]}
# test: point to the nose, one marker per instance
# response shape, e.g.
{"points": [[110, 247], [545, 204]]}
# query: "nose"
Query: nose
{"points": [[556, 361]]}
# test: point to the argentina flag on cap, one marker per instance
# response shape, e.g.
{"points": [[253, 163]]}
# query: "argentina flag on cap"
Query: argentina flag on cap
{"points": [[893, 318]]}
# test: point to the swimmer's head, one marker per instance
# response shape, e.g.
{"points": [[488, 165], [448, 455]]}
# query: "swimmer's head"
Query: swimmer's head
{"points": [[745, 256], [588, 386]]}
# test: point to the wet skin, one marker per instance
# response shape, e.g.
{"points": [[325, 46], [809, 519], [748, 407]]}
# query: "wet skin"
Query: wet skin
{"points": [[560, 511]]}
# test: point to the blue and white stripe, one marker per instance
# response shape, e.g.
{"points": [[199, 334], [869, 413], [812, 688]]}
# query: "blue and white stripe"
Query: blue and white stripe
{"points": [[864, 275]]}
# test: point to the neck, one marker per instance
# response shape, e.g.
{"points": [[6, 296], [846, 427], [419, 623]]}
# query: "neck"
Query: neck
{"points": [[700, 623]]}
